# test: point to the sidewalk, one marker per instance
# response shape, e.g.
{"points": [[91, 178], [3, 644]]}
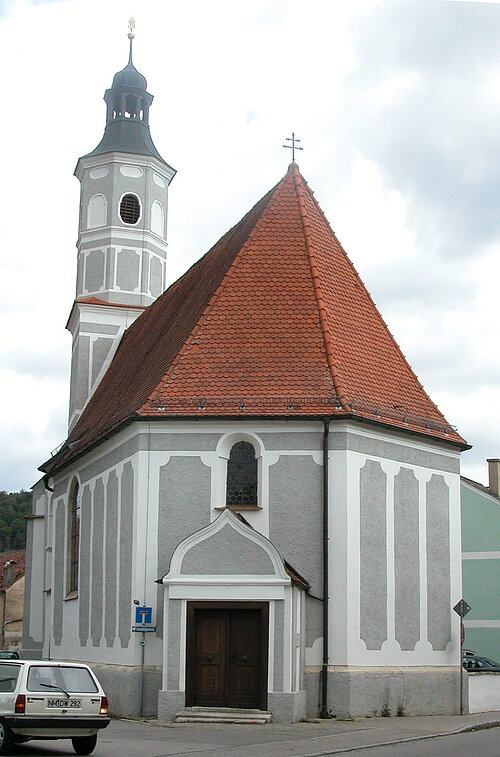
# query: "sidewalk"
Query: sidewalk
{"points": [[312, 739]]}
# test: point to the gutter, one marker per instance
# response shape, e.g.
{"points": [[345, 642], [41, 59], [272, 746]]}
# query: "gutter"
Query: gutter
{"points": [[324, 668]]}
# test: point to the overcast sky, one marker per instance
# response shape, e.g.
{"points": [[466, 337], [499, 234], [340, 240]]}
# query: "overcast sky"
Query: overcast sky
{"points": [[397, 104]]}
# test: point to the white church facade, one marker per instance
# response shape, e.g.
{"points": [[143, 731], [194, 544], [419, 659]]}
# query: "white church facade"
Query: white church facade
{"points": [[250, 456]]}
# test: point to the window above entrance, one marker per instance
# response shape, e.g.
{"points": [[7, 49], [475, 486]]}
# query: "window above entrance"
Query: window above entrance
{"points": [[242, 476]]}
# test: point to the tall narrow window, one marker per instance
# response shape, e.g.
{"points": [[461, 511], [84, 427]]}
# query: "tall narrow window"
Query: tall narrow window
{"points": [[130, 209], [241, 487], [74, 538]]}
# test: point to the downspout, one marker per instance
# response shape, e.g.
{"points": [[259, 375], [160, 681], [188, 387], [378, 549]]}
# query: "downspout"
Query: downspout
{"points": [[324, 669], [45, 480], [3, 597]]}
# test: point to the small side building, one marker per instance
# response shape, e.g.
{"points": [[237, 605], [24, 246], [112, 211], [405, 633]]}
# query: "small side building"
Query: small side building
{"points": [[481, 561], [12, 566]]}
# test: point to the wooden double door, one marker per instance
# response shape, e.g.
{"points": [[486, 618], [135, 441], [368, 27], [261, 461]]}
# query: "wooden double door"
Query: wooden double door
{"points": [[227, 654]]}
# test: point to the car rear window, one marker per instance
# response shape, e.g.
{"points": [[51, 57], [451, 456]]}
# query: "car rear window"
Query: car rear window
{"points": [[8, 677], [69, 679]]}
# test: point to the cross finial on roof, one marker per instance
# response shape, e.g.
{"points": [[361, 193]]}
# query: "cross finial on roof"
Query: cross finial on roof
{"points": [[131, 35], [293, 139]]}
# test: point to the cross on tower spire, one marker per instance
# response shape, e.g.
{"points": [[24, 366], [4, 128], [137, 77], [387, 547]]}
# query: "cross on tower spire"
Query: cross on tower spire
{"points": [[293, 139], [131, 35]]}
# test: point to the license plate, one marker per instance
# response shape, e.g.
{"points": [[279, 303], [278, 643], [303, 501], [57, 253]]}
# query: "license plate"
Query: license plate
{"points": [[64, 703]]}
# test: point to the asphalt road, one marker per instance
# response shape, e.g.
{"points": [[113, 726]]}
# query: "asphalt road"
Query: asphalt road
{"points": [[476, 744], [134, 739]]}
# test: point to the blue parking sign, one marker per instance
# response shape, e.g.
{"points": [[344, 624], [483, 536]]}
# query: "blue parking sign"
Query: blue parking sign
{"points": [[143, 615]]}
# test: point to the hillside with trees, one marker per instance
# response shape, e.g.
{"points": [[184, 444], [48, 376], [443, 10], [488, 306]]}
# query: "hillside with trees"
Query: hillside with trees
{"points": [[13, 508]]}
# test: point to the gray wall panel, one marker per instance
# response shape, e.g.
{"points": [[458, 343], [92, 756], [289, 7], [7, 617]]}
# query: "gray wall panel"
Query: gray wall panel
{"points": [[84, 566], [83, 350], [60, 487], [96, 603], [110, 586], [156, 443], [184, 507], [373, 554], [127, 270], [225, 553], [438, 563], [100, 351], [167, 442], [307, 440], [181, 442], [406, 559], [126, 553], [279, 632], [111, 459], [98, 328], [155, 277], [392, 451], [110, 267], [94, 271], [295, 514], [174, 635], [314, 620], [59, 563]]}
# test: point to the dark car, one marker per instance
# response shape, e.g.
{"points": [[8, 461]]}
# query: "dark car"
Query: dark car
{"points": [[8, 654], [473, 662]]}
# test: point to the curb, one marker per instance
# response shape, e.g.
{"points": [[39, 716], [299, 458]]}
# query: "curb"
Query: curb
{"points": [[479, 726], [466, 729]]}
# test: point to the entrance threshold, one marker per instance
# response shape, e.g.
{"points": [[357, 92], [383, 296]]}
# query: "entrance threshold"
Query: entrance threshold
{"points": [[222, 715]]}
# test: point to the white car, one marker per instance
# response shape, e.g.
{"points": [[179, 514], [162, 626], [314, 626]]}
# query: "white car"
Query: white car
{"points": [[44, 699]]}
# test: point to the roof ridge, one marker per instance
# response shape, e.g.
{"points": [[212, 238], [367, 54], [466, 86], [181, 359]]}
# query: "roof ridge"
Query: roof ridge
{"points": [[213, 299], [299, 187]]}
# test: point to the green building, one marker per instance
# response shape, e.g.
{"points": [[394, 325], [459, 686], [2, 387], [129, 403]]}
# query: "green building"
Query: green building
{"points": [[481, 562]]}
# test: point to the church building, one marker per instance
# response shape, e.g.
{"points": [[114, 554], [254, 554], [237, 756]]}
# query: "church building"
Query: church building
{"points": [[252, 468]]}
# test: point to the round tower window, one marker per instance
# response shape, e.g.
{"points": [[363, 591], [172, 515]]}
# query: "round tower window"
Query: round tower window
{"points": [[130, 209]]}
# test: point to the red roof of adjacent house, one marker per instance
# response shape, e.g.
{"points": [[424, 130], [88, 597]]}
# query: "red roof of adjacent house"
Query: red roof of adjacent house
{"points": [[273, 320], [18, 558]]}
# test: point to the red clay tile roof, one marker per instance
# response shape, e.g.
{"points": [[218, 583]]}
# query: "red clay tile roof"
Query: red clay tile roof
{"points": [[273, 320], [96, 301], [17, 556]]}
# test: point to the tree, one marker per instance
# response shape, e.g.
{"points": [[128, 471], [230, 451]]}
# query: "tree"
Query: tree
{"points": [[13, 508]]}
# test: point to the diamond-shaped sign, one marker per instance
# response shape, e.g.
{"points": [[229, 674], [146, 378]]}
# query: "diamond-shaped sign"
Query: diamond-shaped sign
{"points": [[462, 608]]}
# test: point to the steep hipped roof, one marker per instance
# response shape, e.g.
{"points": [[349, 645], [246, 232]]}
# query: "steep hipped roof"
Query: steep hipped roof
{"points": [[272, 321]]}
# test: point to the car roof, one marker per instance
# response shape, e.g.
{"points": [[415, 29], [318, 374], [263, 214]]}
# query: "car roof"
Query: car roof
{"points": [[52, 663]]}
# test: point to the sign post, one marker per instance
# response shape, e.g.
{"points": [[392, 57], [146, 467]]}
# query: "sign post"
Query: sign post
{"points": [[462, 608], [143, 624]]}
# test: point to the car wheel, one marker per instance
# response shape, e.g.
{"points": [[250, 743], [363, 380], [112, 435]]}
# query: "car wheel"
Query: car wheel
{"points": [[84, 744], [6, 738]]}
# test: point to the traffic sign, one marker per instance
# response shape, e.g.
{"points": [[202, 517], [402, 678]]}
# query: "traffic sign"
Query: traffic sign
{"points": [[143, 615], [143, 629], [462, 608]]}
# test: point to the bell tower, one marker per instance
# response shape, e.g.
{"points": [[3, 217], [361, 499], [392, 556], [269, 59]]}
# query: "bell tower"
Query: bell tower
{"points": [[122, 236]]}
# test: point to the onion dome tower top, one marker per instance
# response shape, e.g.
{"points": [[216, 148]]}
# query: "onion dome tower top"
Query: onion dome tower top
{"points": [[127, 112]]}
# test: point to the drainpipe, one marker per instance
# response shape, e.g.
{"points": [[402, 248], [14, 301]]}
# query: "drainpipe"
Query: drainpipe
{"points": [[324, 668], [3, 595], [45, 480]]}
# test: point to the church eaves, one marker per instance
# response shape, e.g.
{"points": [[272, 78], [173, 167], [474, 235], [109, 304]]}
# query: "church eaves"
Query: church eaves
{"points": [[273, 321]]}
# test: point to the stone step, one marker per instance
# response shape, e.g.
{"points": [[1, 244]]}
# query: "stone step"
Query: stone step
{"points": [[222, 715]]}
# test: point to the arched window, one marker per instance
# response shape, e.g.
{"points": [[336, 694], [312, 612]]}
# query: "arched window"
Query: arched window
{"points": [[130, 209], [73, 538], [157, 219], [241, 486], [96, 211]]}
